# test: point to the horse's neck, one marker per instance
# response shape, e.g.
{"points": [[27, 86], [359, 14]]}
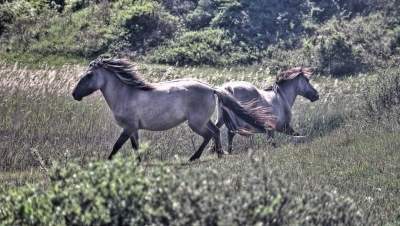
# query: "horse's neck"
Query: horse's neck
{"points": [[114, 92], [288, 92]]}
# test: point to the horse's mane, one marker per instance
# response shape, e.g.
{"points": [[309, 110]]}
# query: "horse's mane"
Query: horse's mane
{"points": [[289, 75], [125, 71], [293, 73]]}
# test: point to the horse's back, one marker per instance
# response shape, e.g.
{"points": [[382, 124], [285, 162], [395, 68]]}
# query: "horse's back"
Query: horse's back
{"points": [[243, 91], [170, 103]]}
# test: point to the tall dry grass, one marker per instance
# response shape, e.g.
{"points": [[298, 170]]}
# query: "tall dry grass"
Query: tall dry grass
{"points": [[37, 111]]}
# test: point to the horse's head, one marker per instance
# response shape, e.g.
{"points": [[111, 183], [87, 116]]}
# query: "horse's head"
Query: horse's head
{"points": [[305, 89], [91, 81]]}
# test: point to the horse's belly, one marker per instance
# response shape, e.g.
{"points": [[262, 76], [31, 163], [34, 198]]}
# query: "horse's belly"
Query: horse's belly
{"points": [[162, 121], [162, 126]]}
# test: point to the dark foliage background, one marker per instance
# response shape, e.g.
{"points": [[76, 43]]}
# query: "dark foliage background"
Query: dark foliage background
{"points": [[338, 37]]}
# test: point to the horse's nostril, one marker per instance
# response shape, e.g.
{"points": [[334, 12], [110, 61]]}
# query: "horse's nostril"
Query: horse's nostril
{"points": [[76, 97]]}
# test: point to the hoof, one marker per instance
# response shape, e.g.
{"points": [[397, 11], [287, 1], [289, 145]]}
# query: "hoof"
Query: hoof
{"points": [[213, 149], [193, 158], [299, 139]]}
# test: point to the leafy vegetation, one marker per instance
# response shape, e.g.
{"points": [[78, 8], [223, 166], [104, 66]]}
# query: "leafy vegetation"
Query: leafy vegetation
{"points": [[337, 37], [109, 194], [210, 46]]}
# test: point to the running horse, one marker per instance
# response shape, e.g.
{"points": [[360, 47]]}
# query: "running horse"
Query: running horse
{"points": [[140, 105], [279, 97]]}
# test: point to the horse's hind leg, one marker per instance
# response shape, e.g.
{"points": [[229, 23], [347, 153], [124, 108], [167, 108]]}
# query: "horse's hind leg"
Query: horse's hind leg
{"points": [[217, 138], [204, 131], [270, 138], [231, 135], [121, 140], [219, 123], [135, 142]]}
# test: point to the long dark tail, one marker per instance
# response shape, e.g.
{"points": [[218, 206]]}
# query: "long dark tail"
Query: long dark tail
{"points": [[259, 118]]}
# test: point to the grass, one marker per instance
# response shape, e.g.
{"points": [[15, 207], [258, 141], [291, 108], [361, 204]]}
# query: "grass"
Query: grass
{"points": [[342, 152]]}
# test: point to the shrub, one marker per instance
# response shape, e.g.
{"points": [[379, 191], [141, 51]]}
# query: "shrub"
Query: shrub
{"points": [[209, 46], [142, 24], [121, 193], [86, 28], [260, 23], [382, 100], [337, 57]]}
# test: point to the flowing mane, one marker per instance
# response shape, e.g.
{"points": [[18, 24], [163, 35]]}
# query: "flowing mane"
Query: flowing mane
{"points": [[289, 75], [293, 73], [125, 71]]}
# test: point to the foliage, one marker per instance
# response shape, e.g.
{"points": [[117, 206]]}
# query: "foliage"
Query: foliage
{"points": [[121, 193], [260, 23], [209, 46], [338, 37], [85, 29], [382, 99]]}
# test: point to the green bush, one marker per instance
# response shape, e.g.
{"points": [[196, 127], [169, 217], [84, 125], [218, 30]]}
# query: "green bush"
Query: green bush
{"points": [[337, 57], [260, 23], [382, 99], [120, 192], [85, 28], [209, 46]]}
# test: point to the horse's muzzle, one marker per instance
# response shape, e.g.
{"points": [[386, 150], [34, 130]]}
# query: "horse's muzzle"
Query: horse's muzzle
{"points": [[314, 98], [76, 97]]}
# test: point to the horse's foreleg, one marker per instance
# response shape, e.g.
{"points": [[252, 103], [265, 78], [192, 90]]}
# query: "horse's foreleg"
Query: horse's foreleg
{"points": [[121, 140], [135, 143], [230, 141]]}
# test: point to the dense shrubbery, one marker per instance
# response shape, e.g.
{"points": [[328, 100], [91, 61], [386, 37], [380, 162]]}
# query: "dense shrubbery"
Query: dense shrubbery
{"points": [[122, 193], [338, 37], [84, 28], [382, 99], [209, 46]]}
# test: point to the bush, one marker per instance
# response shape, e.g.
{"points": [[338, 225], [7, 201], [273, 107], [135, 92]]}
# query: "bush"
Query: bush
{"points": [[86, 28], [260, 23], [337, 57], [382, 100], [143, 24], [121, 193], [209, 46]]}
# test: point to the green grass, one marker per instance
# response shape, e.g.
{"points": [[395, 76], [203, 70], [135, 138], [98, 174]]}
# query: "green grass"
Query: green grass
{"points": [[342, 153]]}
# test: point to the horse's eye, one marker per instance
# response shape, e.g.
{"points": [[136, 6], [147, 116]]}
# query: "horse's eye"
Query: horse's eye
{"points": [[89, 75]]}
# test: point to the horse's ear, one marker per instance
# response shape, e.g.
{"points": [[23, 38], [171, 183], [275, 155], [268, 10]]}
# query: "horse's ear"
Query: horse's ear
{"points": [[105, 56], [308, 72]]}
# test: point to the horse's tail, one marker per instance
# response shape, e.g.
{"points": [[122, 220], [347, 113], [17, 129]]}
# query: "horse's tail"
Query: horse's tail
{"points": [[259, 118]]}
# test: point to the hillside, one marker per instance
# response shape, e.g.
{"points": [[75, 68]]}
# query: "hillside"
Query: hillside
{"points": [[337, 37]]}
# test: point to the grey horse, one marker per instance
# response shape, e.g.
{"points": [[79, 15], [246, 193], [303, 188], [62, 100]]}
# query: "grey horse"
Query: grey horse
{"points": [[137, 104], [280, 98]]}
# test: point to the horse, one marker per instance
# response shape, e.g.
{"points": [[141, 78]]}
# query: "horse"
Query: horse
{"points": [[139, 105], [280, 97]]}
